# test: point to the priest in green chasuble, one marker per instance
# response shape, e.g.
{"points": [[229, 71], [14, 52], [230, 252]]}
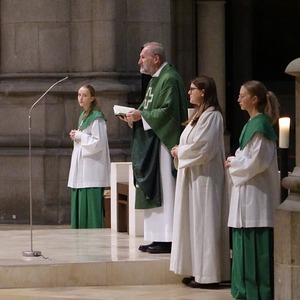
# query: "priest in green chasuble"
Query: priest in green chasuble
{"points": [[157, 125]]}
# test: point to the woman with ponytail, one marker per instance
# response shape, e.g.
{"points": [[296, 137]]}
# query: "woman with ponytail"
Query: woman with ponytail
{"points": [[255, 193], [90, 163]]}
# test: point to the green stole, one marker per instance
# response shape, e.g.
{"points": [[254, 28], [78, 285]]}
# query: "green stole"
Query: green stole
{"points": [[260, 123], [89, 120], [164, 107]]}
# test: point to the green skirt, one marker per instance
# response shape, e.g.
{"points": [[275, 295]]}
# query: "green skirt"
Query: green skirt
{"points": [[252, 263], [87, 208]]}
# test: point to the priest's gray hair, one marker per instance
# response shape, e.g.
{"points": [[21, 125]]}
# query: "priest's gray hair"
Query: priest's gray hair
{"points": [[156, 49]]}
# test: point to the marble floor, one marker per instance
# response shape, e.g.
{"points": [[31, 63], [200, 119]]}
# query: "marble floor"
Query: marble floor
{"points": [[87, 264]]}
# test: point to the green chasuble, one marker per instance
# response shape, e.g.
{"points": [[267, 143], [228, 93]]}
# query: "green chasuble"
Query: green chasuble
{"points": [[164, 109], [260, 123], [93, 115]]}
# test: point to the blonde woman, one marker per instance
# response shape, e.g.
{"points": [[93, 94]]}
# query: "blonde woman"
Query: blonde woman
{"points": [[90, 163], [254, 195]]}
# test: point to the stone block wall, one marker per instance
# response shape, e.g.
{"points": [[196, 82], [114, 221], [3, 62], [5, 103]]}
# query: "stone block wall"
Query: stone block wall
{"points": [[50, 123], [96, 41]]}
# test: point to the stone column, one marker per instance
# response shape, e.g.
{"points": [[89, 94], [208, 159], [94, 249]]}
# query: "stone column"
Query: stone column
{"points": [[211, 43], [287, 218], [211, 48]]}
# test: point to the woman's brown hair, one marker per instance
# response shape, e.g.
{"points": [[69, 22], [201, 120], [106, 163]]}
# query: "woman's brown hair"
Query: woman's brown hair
{"points": [[210, 98]]}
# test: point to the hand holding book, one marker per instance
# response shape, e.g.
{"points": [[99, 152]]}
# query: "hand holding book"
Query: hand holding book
{"points": [[121, 110]]}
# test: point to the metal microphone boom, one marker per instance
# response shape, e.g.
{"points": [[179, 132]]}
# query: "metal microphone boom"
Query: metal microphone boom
{"points": [[33, 253]]}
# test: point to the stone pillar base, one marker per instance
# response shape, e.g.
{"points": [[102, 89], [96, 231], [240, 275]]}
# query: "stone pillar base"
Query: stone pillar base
{"points": [[287, 242]]}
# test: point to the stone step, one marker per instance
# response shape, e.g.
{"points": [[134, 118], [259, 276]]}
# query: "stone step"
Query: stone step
{"points": [[83, 257]]}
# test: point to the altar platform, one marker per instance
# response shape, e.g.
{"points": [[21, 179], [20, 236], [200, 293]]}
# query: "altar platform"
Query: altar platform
{"points": [[87, 264]]}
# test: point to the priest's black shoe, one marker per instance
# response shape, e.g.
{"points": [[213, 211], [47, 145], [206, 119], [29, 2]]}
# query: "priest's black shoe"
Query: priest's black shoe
{"points": [[160, 247], [197, 285], [187, 280], [144, 248]]}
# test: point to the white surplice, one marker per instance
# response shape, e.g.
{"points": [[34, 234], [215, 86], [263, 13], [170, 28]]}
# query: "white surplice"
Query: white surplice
{"points": [[200, 245], [90, 163], [255, 189]]}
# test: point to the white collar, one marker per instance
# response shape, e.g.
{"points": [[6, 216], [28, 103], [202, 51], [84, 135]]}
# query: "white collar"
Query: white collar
{"points": [[156, 74]]}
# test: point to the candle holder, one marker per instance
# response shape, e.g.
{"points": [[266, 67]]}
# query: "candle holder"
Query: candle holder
{"points": [[283, 154]]}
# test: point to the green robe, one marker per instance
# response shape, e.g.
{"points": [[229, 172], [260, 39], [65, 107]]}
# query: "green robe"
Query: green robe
{"points": [[87, 203], [260, 123], [93, 115], [165, 109]]}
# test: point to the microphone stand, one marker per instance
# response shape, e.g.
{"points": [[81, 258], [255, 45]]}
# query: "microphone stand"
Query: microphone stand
{"points": [[32, 253]]}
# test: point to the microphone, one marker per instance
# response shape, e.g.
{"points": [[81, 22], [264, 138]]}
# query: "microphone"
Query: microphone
{"points": [[54, 84], [32, 253], [70, 76]]}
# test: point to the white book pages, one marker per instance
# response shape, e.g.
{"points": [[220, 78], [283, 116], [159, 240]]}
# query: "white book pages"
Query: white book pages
{"points": [[121, 110]]}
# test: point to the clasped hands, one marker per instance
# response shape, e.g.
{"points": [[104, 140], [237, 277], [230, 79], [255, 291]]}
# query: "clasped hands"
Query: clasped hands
{"points": [[174, 151], [72, 134], [227, 163]]}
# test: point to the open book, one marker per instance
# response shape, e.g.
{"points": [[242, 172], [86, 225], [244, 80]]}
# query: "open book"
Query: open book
{"points": [[121, 110]]}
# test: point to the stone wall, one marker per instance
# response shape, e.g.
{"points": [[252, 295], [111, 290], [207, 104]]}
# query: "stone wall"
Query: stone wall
{"points": [[98, 43]]}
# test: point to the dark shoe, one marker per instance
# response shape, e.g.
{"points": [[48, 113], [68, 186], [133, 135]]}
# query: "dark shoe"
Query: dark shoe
{"points": [[160, 247], [194, 284], [144, 248], [187, 280]]}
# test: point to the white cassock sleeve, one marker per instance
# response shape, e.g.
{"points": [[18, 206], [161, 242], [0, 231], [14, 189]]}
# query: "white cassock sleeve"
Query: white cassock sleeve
{"points": [[206, 142], [95, 141], [255, 158]]}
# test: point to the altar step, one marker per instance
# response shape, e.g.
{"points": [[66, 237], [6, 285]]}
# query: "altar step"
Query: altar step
{"points": [[84, 257]]}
